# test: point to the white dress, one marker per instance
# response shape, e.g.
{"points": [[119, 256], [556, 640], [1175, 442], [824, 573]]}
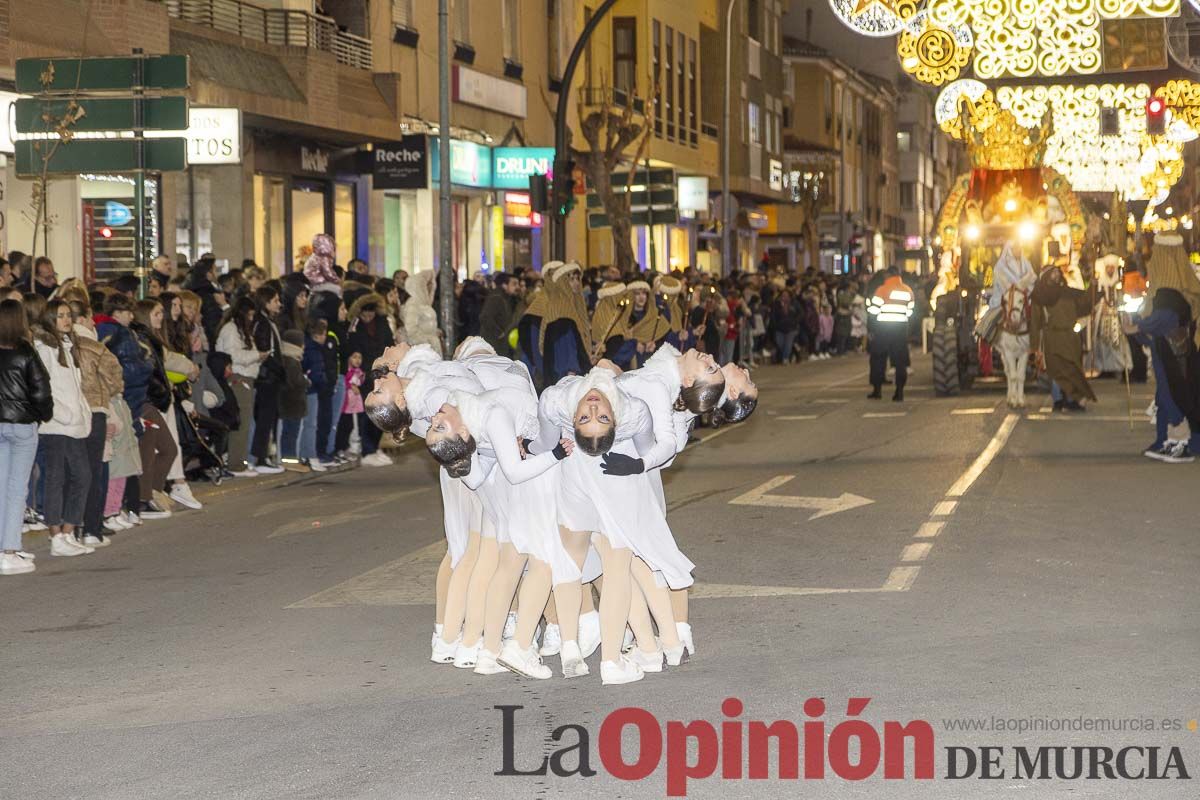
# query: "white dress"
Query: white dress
{"points": [[519, 494], [623, 508]]}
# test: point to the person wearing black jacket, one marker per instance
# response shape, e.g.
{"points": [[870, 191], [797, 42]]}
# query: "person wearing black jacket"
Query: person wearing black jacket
{"points": [[202, 281], [25, 401], [370, 335], [271, 378], [156, 445], [498, 316]]}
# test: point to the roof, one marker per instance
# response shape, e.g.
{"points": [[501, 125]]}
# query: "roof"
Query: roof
{"points": [[799, 47]]}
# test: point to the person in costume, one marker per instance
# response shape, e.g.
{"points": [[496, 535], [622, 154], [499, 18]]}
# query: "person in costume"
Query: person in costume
{"points": [[1013, 278], [566, 329], [1057, 309], [668, 294], [610, 320], [1110, 348]]}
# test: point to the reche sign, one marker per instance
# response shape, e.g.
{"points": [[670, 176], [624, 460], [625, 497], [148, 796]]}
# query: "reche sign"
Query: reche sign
{"points": [[403, 164], [512, 166]]}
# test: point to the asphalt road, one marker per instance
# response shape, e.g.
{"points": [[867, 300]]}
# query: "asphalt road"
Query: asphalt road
{"points": [[276, 644]]}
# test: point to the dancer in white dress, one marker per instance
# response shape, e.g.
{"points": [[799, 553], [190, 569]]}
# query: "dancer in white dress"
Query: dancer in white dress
{"points": [[477, 437]]}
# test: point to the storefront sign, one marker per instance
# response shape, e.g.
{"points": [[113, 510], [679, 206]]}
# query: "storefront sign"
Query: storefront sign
{"points": [[214, 136], [403, 165], [518, 212], [692, 194], [479, 89], [88, 229], [512, 166], [470, 163], [313, 159], [913, 242], [775, 174]]}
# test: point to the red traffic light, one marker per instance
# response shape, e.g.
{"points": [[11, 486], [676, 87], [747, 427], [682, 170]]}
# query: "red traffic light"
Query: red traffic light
{"points": [[1155, 105], [1156, 116], [106, 232]]}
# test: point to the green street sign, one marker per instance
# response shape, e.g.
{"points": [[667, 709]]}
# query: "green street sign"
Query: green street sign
{"points": [[100, 74], [158, 114], [98, 155]]}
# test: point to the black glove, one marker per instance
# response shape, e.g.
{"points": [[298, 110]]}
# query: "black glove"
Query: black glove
{"points": [[559, 451], [618, 464], [525, 445]]}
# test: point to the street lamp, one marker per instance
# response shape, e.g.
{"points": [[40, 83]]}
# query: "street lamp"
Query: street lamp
{"points": [[726, 221]]}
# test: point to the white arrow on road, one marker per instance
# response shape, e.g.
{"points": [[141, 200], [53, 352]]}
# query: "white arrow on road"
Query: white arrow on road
{"points": [[824, 506]]}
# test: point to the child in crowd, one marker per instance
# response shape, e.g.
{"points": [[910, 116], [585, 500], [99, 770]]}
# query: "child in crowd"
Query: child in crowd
{"points": [[313, 363], [352, 407]]}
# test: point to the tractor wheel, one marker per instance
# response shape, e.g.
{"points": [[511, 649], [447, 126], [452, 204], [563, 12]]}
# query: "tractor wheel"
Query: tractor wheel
{"points": [[944, 347]]}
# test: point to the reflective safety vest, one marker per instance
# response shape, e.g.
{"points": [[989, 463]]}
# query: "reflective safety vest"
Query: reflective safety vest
{"points": [[892, 302]]}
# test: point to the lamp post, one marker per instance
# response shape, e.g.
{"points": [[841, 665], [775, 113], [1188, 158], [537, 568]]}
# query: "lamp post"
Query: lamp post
{"points": [[726, 216], [447, 276]]}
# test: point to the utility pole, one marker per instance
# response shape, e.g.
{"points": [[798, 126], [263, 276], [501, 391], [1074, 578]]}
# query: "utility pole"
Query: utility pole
{"points": [[447, 274], [558, 222], [726, 210]]}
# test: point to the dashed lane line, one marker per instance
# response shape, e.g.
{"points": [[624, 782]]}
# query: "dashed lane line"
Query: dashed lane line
{"points": [[884, 414]]}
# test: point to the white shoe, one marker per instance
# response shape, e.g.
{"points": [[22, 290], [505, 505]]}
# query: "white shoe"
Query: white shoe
{"points": [[376, 459], [316, 466], [685, 635], [523, 662], [152, 511], [551, 641], [62, 544], [117, 523], [437, 632], [589, 633], [613, 673], [443, 653], [248, 472], [674, 657], [96, 541], [649, 662], [573, 665], [131, 518], [182, 493], [628, 642], [13, 564], [485, 663], [466, 657], [510, 627], [26, 556], [267, 469]]}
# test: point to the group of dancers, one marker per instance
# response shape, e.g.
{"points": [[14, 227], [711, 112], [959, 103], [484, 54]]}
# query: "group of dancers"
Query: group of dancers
{"points": [[546, 497]]}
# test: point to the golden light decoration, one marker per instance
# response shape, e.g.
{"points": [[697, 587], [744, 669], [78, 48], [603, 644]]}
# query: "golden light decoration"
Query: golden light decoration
{"points": [[946, 109], [1003, 143], [934, 52], [1183, 99], [1021, 38], [874, 17]]}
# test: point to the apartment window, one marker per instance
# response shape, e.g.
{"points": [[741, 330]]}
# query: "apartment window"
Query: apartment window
{"points": [[754, 123], [656, 73], [669, 79], [692, 76], [828, 104], [908, 196], [681, 79], [587, 51], [554, 39], [787, 117], [624, 33], [402, 13], [511, 19], [903, 141], [754, 20], [462, 21]]}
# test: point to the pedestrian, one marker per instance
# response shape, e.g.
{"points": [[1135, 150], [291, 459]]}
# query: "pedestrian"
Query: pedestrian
{"points": [[313, 363], [891, 306], [61, 440], [236, 340], [175, 337], [1054, 331], [293, 400], [162, 271], [270, 380], [353, 411], [158, 447], [369, 336], [785, 321], [25, 401], [45, 279], [499, 314]]}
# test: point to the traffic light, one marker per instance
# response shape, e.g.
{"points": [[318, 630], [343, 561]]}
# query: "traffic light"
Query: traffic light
{"points": [[564, 187], [539, 200], [1156, 116]]}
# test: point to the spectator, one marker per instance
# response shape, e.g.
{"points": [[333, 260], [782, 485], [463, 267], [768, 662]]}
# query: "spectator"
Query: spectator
{"points": [[158, 448], [353, 410], [45, 279], [785, 322], [314, 371], [369, 336], [499, 314], [25, 401], [162, 270], [236, 340], [271, 378], [420, 320], [293, 394]]}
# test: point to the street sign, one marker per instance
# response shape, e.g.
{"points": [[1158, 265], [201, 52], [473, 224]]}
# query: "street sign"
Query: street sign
{"points": [[158, 114], [66, 75], [99, 155]]}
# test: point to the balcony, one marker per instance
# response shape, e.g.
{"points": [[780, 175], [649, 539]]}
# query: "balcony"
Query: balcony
{"points": [[617, 99], [275, 26]]}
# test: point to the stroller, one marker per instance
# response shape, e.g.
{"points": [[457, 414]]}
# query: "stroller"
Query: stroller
{"points": [[204, 436]]}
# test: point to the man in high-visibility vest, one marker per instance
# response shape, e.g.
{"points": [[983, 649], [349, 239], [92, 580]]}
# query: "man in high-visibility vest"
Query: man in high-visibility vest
{"points": [[890, 308]]}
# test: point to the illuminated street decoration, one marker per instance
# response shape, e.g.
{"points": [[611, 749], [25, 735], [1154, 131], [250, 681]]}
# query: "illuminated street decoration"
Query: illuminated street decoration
{"points": [[946, 109], [874, 17], [933, 52], [1183, 99], [1020, 38]]}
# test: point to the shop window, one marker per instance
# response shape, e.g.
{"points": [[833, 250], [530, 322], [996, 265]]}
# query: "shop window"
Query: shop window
{"points": [[343, 220], [308, 219], [624, 31], [270, 236], [108, 201]]}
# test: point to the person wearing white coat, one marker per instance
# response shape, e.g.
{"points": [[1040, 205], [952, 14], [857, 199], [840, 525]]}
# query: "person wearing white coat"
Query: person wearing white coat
{"points": [[420, 320], [61, 441]]}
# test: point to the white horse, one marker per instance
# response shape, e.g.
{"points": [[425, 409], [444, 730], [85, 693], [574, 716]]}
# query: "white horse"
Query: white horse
{"points": [[1013, 277]]}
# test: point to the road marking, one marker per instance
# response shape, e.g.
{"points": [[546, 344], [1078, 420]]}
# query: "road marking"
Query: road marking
{"points": [[944, 509], [968, 411], [916, 551], [928, 530], [900, 579], [720, 591], [884, 414], [798, 417], [829, 401], [1080, 417], [824, 506], [407, 581], [997, 443]]}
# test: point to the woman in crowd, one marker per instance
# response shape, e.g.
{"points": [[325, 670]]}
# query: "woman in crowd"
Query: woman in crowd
{"points": [[271, 378], [369, 336], [61, 441], [236, 340], [159, 447], [25, 401], [174, 334]]}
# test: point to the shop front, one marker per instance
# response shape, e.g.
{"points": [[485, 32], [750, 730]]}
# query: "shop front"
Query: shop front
{"points": [[298, 192]]}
